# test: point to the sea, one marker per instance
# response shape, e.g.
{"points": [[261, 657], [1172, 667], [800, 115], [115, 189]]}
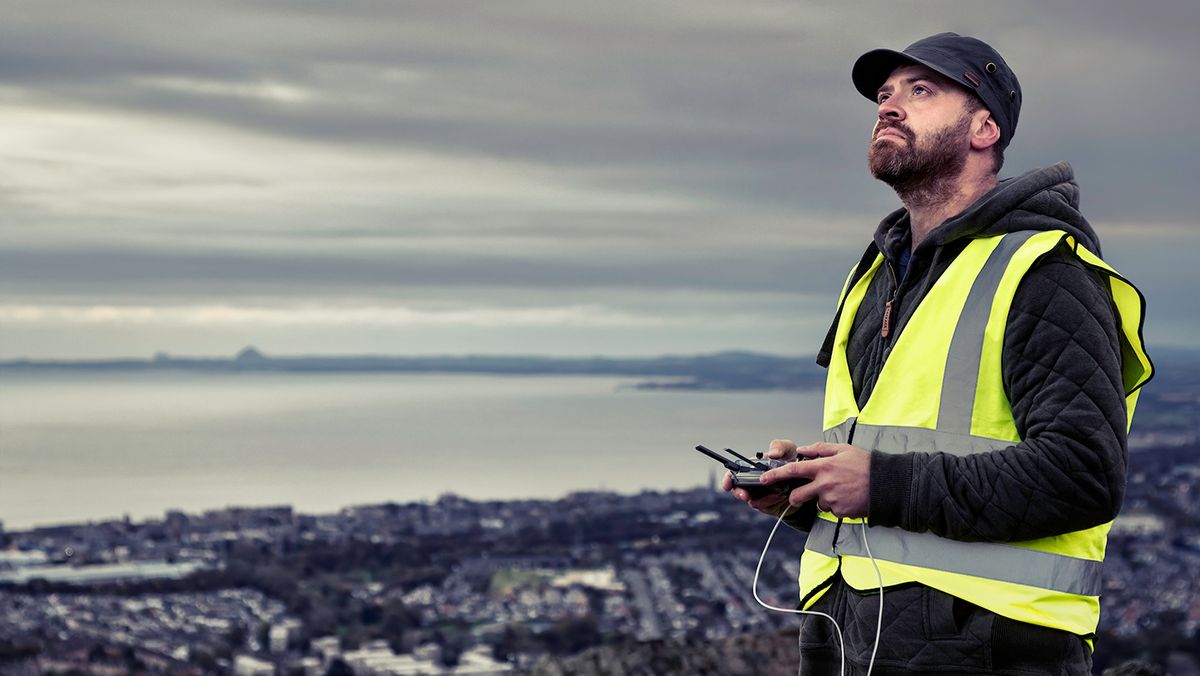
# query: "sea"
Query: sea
{"points": [[77, 447]]}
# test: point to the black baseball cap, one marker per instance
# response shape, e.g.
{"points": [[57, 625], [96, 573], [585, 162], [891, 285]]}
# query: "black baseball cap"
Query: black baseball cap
{"points": [[968, 61]]}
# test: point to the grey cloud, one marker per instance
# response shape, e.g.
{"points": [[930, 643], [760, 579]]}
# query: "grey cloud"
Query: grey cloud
{"points": [[741, 112], [205, 276], [640, 96], [732, 104]]}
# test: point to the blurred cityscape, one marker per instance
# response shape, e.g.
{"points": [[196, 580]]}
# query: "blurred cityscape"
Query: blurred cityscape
{"points": [[658, 582]]}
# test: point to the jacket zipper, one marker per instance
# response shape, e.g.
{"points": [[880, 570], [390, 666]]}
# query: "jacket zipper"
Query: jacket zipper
{"points": [[886, 327]]}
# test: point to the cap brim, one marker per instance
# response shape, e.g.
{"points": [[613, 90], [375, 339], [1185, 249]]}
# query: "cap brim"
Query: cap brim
{"points": [[872, 69]]}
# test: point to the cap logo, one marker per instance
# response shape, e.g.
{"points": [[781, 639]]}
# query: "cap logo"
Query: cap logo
{"points": [[971, 76]]}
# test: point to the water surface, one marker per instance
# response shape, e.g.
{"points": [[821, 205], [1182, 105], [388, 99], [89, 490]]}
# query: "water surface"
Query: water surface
{"points": [[78, 447]]}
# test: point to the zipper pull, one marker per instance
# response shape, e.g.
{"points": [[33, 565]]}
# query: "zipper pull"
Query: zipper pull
{"points": [[886, 328]]}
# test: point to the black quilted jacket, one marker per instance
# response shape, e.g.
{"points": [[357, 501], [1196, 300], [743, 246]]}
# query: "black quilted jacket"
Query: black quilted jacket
{"points": [[1061, 371]]}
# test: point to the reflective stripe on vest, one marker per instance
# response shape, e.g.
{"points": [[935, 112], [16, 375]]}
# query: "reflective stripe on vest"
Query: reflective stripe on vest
{"points": [[966, 347], [943, 393], [990, 560], [897, 439]]}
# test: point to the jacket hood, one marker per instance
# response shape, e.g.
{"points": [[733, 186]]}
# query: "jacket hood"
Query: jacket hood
{"points": [[1042, 199]]}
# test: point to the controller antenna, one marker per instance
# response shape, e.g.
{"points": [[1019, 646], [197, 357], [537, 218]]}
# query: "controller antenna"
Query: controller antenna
{"points": [[729, 465], [753, 463]]}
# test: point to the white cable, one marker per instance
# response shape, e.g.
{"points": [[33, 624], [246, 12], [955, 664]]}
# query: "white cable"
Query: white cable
{"points": [[754, 589], [879, 576], [837, 628]]}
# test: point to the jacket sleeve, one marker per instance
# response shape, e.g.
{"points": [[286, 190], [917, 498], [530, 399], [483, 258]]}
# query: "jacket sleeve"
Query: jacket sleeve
{"points": [[1062, 374]]}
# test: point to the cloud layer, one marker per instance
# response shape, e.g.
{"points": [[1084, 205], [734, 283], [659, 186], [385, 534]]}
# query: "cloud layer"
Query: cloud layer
{"points": [[621, 177]]}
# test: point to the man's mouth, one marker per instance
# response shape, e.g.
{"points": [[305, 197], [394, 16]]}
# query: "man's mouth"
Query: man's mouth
{"points": [[890, 131]]}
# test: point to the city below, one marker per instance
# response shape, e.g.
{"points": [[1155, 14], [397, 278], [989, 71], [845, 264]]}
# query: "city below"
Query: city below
{"points": [[574, 585], [591, 583]]}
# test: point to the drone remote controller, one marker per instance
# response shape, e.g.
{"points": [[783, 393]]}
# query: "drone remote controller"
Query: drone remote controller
{"points": [[747, 472]]}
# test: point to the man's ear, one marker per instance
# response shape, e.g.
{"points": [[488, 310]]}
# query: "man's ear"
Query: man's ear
{"points": [[984, 131]]}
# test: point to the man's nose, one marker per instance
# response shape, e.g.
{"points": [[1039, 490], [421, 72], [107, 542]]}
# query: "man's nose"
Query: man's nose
{"points": [[890, 110]]}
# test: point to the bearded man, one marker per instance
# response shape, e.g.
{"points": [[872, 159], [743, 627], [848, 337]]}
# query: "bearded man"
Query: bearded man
{"points": [[983, 366]]}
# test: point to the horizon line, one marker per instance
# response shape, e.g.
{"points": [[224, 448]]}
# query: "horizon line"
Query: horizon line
{"points": [[250, 352]]}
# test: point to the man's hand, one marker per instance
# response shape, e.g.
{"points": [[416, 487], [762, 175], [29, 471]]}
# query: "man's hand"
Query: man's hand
{"points": [[839, 474], [774, 503]]}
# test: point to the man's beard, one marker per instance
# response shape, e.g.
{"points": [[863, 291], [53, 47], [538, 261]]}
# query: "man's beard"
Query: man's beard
{"points": [[921, 173]]}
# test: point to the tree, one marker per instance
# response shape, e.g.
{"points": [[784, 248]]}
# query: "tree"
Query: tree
{"points": [[453, 640], [338, 667], [573, 635], [514, 640]]}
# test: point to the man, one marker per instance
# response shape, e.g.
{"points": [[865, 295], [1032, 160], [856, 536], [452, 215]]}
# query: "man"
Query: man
{"points": [[983, 367]]}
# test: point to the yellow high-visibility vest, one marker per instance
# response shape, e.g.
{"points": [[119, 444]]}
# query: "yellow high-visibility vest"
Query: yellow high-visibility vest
{"points": [[941, 391]]}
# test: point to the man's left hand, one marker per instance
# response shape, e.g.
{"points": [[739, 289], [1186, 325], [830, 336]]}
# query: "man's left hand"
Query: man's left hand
{"points": [[839, 474]]}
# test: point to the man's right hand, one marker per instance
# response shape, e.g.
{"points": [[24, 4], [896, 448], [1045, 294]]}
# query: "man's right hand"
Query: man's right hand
{"points": [[773, 503]]}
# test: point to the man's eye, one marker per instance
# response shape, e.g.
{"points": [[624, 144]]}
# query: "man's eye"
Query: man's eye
{"points": [[920, 89], [883, 97]]}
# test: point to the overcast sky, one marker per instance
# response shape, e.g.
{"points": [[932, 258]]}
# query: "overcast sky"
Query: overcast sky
{"points": [[551, 177]]}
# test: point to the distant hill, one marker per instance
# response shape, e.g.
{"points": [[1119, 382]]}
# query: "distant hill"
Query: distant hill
{"points": [[734, 370], [724, 370]]}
